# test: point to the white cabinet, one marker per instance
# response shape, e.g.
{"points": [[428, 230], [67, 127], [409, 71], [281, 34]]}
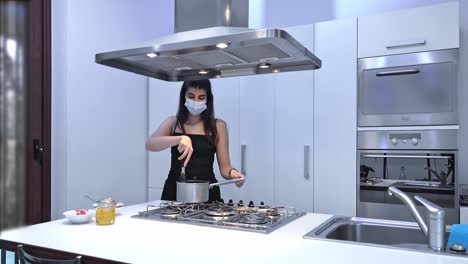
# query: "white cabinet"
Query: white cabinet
{"points": [[294, 98], [335, 179], [256, 119], [432, 27], [226, 106], [163, 101]]}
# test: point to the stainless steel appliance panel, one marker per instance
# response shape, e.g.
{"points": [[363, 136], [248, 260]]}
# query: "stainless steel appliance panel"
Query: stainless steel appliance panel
{"points": [[409, 89], [403, 139], [419, 162]]}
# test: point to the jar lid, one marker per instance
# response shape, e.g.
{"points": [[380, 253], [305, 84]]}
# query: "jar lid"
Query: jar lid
{"points": [[107, 201]]}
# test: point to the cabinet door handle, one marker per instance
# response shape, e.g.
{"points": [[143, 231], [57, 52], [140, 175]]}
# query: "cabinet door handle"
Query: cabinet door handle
{"points": [[306, 161], [402, 72], [243, 147], [403, 44]]}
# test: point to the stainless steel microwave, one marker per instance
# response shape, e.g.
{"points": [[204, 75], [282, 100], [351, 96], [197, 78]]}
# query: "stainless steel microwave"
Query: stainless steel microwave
{"points": [[409, 89]]}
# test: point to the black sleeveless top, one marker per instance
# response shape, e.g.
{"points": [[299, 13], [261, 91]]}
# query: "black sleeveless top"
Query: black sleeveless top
{"points": [[200, 167]]}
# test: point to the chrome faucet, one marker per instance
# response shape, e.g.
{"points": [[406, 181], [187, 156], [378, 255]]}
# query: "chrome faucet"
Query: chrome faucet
{"points": [[435, 228]]}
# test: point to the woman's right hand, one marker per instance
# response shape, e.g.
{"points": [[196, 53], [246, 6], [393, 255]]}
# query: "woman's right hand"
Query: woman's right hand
{"points": [[185, 147]]}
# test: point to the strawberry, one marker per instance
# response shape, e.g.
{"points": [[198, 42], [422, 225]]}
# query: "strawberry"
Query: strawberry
{"points": [[81, 211]]}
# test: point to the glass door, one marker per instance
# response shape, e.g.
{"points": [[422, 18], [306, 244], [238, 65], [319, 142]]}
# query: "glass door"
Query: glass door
{"points": [[432, 166], [13, 112], [24, 112]]}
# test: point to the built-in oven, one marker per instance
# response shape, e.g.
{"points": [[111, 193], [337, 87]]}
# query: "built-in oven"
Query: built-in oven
{"points": [[418, 162], [408, 89]]}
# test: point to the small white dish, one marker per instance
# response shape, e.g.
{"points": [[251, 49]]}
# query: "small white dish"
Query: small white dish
{"points": [[79, 216]]}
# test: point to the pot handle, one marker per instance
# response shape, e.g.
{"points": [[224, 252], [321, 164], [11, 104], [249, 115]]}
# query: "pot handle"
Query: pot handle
{"points": [[225, 182]]}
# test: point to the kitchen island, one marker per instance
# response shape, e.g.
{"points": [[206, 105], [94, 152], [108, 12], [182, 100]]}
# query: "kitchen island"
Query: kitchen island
{"points": [[132, 240]]}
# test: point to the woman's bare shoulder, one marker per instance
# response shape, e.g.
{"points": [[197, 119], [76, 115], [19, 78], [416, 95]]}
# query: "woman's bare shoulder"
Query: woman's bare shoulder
{"points": [[171, 119], [221, 126], [220, 122]]}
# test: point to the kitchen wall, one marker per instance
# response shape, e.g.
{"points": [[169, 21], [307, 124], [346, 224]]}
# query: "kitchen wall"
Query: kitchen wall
{"points": [[99, 114], [280, 13]]}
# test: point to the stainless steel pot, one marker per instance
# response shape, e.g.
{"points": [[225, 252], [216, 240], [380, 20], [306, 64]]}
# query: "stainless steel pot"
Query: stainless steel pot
{"points": [[196, 191]]}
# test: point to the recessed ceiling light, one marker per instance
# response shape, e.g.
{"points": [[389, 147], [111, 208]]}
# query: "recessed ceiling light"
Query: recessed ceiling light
{"points": [[182, 68], [264, 65], [152, 55], [203, 72], [222, 45]]}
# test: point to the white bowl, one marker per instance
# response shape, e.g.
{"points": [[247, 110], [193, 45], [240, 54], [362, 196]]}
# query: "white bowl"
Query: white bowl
{"points": [[79, 216]]}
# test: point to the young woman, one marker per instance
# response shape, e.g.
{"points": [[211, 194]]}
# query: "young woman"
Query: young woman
{"points": [[194, 136]]}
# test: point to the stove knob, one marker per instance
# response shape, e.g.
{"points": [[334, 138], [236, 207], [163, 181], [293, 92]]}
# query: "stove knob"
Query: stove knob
{"points": [[262, 205], [251, 204], [394, 141], [415, 141], [230, 202], [240, 203]]}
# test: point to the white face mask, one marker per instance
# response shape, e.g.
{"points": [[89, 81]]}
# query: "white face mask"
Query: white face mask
{"points": [[195, 108]]}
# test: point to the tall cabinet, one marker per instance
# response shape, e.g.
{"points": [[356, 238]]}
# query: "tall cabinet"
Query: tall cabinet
{"points": [[293, 133], [335, 118], [256, 118], [226, 105]]}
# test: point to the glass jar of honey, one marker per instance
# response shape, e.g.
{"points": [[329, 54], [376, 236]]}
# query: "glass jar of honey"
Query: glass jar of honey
{"points": [[105, 212]]}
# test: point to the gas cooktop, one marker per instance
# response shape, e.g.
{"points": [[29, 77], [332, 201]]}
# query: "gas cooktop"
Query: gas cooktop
{"points": [[261, 219]]}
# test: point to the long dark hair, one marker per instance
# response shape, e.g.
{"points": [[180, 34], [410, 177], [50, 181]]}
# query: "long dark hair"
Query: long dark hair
{"points": [[209, 121]]}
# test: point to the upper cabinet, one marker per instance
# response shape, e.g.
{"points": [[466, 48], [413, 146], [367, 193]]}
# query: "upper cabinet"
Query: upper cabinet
{"points": [[433, 27]]}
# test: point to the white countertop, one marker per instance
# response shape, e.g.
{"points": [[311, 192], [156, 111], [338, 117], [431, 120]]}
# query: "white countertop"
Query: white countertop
{"points": [[144, 241]]}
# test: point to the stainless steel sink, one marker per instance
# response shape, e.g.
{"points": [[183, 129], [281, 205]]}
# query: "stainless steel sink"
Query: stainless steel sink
{"points": [[376, 232]]}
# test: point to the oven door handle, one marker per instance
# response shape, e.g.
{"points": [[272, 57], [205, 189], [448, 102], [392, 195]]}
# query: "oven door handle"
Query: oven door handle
{"points": [[401, 72], [405, 156]]}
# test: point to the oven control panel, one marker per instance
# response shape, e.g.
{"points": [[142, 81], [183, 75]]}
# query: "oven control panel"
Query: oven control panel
{"points": [[415, 139], [405, 138]]}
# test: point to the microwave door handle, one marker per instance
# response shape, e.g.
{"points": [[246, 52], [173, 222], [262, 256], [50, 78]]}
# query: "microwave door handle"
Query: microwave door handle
{"points": [[400, 72], [404, 156]]}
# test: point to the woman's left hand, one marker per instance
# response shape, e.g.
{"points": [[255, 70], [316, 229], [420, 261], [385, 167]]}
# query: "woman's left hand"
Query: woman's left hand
{"points": [[235, 175]]}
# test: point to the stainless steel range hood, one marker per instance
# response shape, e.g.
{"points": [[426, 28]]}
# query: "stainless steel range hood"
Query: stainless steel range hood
{"points": [[213, 52]]}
